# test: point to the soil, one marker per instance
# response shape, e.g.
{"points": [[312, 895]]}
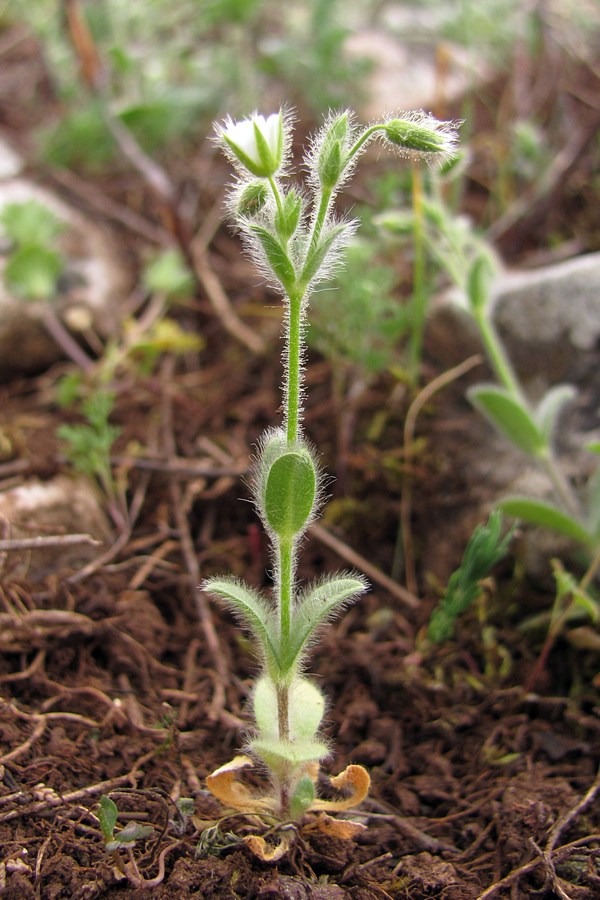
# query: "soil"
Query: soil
{"points": [[119, 679]]}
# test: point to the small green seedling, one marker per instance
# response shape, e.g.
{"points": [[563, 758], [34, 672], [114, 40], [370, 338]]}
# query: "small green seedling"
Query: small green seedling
{"points": [[88, 444], [485, 549], [34, 264], [124, 839], [297, 240]]}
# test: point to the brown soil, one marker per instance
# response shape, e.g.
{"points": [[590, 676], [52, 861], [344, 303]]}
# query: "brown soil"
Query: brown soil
{"points": [[118, 679]]}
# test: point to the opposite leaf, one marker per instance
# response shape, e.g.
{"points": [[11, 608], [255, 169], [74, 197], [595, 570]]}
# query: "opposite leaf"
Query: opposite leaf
{"points": [[250, 607], [317, 605]]}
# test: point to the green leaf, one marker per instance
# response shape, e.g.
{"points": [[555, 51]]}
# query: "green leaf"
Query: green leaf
{"points": [[509, 417], [317, 605], [287, 221], [479, 281], [30, 223], [316, 259], [168, 274], [303, 796], [593, 504], [251, 608], [593, 447], [289, 494], [550, 406], [568, 586], [32, 271], [107, 816], [306, 708], [538, 512], [277, 257], [131, 833], [279, 755]]}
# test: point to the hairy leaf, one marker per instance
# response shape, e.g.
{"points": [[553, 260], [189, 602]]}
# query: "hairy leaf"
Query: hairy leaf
{"points": [[509, 417], [290, 493], [538, 512], [317, 605], [251, 608]]}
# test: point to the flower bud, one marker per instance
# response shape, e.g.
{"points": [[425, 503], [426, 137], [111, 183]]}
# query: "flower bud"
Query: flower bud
{"points": [[288, 218], [332, 154], [251, 199], [421, 135]]}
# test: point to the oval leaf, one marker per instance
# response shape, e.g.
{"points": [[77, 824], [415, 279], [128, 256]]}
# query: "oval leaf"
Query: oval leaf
{"points": [[509, 417], [536, 512], [551, 405], [290, 494]]}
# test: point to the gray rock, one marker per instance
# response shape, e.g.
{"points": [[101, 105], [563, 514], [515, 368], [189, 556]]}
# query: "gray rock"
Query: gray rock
{"points": [[549, 318]]}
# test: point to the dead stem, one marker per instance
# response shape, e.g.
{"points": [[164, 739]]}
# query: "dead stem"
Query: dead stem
{"points": [[43, 807], [181, 503], [51, 540], [359, 562], [222, 306], [550, 855], [423, 397]]}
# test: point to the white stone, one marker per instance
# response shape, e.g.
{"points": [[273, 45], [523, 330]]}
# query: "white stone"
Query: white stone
{"points": [[59, 506]]}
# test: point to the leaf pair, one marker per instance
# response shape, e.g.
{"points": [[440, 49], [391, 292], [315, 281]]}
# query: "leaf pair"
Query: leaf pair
{"points": [[315, 606]]}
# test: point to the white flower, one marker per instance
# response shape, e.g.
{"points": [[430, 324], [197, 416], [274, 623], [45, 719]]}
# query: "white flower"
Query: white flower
{"points": [[255, 143]]}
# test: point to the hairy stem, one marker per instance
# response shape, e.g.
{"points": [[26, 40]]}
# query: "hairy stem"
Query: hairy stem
{"points": [[498, 359], [419, 297], [293, 368]]}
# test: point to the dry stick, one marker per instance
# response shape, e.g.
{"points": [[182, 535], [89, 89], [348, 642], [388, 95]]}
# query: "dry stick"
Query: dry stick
{"points": [[221, 304], [51, 540], [101, 787], [359, 562], [179, 466], [564, 821], [415, 408], [122, 540], [546, 183], [65, 341], [189, 553], [545, 856], [95, 199], [24, 674]]}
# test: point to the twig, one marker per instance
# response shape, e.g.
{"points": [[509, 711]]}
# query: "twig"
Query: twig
{"points": [[107, 207], [179, 466], [355, 559], [415, 408], [51, 540], [180, 511], [565, 820], [65, 341], [221, 304], [551, 855], [158, 180], [101, 787]]}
